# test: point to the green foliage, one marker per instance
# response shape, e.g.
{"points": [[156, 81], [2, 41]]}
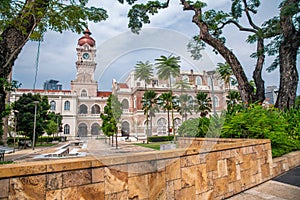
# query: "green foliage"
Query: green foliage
{"points": [[203, 104], [153, 145], [203, 126], [51, 127], [139, 13], [234, 103], [25, 117], [168, 67], [144, 71], [195, 46], [111, 116], [160, 138], [6, 162], [189, 128], [297, 103], [258, 122], [55, 15], [42, 139], [185, 105]]}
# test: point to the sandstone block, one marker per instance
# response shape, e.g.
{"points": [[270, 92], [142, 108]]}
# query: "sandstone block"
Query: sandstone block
{"points": [[54, 181], [138, 187], [31, 187], [98, 175], [115, 180], [76, 178], [187, 193], [4, 188], [222, 168], [173, 170], [157, 185]]}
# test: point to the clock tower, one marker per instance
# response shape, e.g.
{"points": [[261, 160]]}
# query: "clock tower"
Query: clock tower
{"points": [[84, 85]]}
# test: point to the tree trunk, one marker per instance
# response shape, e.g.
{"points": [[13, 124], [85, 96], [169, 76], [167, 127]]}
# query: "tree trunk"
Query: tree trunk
{"points": [[245, 89], [288, 76], [287, 59], [259, 82]]}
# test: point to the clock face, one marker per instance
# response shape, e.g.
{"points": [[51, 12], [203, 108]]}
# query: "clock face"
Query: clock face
{"points": [[85, 55]]}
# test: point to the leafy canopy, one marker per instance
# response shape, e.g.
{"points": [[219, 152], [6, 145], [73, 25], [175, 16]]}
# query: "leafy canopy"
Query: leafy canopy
{"points": [[59, 16]]}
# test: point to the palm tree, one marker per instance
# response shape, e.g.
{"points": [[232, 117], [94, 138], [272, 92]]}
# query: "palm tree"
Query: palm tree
{"points": [[144, 71], [185, 106], [167, 102], [149, 104], [168, 67], [203, 104], [233, 102], [182, 85], [225, 73]]}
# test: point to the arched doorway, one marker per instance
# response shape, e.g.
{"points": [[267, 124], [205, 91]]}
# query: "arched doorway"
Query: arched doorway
{"points": [[161, 126], [82, 130], [95, 129], [125, 128]]}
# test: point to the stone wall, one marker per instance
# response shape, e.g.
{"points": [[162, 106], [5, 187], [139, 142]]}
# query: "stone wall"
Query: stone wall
{"points": [[213, 171]]}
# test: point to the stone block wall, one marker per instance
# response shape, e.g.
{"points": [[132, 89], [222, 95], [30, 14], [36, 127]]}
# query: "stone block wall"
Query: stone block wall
{"points": [[192, 173]]}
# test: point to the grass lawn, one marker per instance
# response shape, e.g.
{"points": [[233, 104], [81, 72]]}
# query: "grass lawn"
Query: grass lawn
{"points": [[152, 145]]}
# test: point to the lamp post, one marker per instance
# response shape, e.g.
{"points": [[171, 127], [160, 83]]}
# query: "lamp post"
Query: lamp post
{"points": [[15, 112], [211, 76], [34, 124]]}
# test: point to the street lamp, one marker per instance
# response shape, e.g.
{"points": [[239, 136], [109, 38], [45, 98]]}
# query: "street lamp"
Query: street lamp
{"points": [[211, 76], [16, 113], [34, 124]]}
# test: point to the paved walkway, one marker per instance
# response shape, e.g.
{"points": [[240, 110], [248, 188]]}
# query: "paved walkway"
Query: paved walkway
{"points": [[284, 187]]}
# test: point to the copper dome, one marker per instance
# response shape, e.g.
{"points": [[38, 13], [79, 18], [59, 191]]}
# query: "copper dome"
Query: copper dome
{"points": [[86, 39]]}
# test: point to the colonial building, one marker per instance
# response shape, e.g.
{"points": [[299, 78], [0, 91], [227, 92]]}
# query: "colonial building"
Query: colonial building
{"points": [[130, 94], [81, 106]]}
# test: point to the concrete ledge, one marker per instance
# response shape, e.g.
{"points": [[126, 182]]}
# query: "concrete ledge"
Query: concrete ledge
{"points": [[207, 169]]}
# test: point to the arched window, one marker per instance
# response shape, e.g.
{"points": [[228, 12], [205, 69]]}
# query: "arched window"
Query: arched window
{"points": [[177, 123], [125, 128], [95, 109], [216, 101], [67, 105], [52, 105], [95, 129], [83, 109], [83, 93], [162, 126], [125, 104], [185, 78], [67, 129], [82, 130], [148, 133], [198, 80]]}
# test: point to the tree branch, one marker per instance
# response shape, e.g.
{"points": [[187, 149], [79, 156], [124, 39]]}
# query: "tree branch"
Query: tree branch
{"points": [[240, 27], [248, 15]]}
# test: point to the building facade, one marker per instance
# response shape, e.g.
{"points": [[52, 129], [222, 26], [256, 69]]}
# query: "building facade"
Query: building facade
{"points": [[130, 94], [82, 104]]}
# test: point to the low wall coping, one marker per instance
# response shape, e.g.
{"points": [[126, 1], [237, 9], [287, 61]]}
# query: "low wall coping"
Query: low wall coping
{"points": [[50, 166]]}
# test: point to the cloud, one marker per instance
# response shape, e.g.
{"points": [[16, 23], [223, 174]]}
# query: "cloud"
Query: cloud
{"points": [[124, 49]]}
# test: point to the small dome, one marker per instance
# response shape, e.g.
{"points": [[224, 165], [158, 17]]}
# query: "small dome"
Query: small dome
{"points": [[86, 39]]}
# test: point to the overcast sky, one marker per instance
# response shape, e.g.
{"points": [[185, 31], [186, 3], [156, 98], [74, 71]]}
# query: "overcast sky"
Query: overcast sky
{"points": [[118, 50]]}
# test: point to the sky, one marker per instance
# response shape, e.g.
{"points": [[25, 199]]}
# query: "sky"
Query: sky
{"points": [[118, 50]]}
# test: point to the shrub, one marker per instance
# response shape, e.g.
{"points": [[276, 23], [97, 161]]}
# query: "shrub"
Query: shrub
{"points": [[160, 138], [189, 128], [258, 122]]}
